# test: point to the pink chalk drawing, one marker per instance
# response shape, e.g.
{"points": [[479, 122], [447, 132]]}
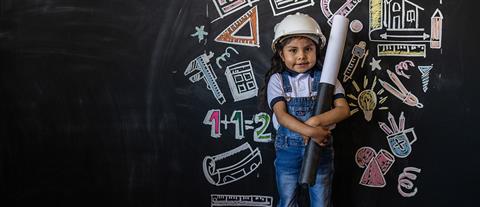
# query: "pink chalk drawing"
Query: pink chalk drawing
{"points": [[385, 160], [403, 66], [376, 166], [364, 155]]}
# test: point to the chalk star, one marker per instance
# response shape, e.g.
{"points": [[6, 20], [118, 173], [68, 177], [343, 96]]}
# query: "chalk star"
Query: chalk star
{"points": [[200, 33], [375, 64]]}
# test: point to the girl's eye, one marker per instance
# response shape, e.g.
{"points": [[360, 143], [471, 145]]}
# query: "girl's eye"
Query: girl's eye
{"points": [[293, 50]]}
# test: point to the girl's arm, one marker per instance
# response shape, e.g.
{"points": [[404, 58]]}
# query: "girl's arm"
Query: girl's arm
{"points": [[339, 112], [290, 122]]}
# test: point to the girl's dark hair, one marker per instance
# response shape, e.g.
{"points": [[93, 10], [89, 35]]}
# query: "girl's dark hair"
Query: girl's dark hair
{"points": [[278, 66]]}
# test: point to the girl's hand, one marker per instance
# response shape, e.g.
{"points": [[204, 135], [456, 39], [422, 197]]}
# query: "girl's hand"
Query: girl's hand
{"points": [[319, 134]]}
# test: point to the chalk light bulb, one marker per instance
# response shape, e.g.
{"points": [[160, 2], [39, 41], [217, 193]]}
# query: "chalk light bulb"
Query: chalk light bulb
{"points": [[367, 100]]}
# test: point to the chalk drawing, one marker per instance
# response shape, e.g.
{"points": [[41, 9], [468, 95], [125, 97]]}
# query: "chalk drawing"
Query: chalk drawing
{"points": [[401, 93], [356, 26], [405, 181], [241, 80], [223, 56], [227, 7], [399, 139], [232, 165], [397, 20], [202, 69], [200, 33], [425, 71], [241, 200], [436, 30], [248, 19], [376, 166], [344, 10], [285, 6], [396, 23], [375, 64], [366, 99], [403, 66], [402, 50], [260, 134], [358, 53], [213, 119]]}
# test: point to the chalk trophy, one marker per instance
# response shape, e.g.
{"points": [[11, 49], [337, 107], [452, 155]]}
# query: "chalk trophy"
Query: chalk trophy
{"points": [[400, 144]]}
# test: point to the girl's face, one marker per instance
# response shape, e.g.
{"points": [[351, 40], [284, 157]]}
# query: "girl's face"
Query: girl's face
{"points": [[299, 54]]}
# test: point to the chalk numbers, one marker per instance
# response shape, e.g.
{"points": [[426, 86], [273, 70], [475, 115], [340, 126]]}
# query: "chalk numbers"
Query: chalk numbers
{"points": [[213, 118], [237, 119], [259, 134]]}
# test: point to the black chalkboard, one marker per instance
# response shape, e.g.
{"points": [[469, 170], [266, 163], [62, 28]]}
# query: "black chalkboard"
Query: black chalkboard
{"points": [[155, 103]]}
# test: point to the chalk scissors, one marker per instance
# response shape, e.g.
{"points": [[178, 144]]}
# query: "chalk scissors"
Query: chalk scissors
{"points": [[402, 93]]}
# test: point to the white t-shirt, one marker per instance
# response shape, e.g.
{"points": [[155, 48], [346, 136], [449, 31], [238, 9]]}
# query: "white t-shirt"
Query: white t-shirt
{"points": [[301, 84]]}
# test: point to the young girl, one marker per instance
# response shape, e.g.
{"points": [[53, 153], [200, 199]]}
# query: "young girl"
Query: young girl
{"points": [[291, 90]]}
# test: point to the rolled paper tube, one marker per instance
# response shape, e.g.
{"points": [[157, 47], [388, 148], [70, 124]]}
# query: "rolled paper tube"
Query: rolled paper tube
{"points": [[330, 70], [334, 52]]}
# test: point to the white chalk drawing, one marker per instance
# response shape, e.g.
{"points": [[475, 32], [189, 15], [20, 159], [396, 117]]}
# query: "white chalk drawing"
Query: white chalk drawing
{"points": [[249, 19], [366, 99], [405, 181], [399, 139], [399, 21], [227, 7], [403, 66], [376, 166], [356, 26], [402, 50], [213, 118], [436, 30], [425, 71], [401, 93], [223, 56], [375, 64], [206, 11], [344, 10], [396, 17], [241, 200], [359, 52], [232, 165], [200, 33], [241, 80], [202, 69], [285, 6]]}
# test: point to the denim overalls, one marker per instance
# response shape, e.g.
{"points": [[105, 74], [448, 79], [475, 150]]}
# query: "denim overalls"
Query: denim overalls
{"points": [[290, 148]]}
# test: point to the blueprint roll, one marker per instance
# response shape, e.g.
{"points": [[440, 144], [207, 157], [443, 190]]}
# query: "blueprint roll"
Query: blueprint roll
{"points": [[334, 53], [330, 70]]}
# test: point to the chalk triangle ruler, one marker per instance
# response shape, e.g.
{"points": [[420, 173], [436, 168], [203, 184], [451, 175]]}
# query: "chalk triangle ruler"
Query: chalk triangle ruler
{"points": [[248, 19]]}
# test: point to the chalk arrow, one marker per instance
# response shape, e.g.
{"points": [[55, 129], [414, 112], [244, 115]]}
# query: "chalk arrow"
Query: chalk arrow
{"points": [[386, 36]]}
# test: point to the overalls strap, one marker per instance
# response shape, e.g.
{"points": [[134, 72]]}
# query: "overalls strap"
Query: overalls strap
{"points": [[316, 80], [287, 88]]}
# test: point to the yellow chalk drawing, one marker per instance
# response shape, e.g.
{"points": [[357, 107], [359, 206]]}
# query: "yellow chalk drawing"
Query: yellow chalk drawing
{"points": [[375, 14], [366, 100]]}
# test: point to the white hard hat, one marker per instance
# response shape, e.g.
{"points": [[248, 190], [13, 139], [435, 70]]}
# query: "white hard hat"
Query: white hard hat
{"points": [[299, 25]]}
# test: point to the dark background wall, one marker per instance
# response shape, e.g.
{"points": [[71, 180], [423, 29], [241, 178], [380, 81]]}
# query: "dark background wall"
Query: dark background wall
{"points": [[96, 108]]}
